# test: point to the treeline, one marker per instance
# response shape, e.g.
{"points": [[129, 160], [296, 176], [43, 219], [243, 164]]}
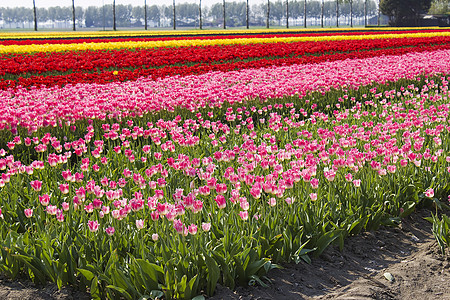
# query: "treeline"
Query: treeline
{"points": [[187, 14]]}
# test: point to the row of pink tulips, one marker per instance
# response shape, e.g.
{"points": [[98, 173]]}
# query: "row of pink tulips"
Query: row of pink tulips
{"points": [[51, 106]]}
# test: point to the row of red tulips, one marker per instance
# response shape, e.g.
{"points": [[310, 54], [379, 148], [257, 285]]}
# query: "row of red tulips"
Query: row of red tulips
{"points": [[205, 36], [127, 75], [21, 64]]}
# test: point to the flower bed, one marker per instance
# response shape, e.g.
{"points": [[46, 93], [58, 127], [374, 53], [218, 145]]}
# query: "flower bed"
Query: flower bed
{"points": [[202, 42], [36, 108], [123, 65], [118, 59], [207, 36], [24, 36]]}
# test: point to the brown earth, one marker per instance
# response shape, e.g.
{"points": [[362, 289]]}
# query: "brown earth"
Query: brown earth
{"points": [[26, 290], [409, 253]]}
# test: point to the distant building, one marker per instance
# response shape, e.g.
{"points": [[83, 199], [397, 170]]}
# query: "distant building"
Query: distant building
{"points": [[435, 20]]}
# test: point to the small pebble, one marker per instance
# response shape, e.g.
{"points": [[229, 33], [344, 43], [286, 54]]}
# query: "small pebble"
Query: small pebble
{"points": [[389, 276]]}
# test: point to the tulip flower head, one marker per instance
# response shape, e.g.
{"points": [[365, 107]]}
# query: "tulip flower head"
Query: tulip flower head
{"points": [[429, 193], [93, 225]]}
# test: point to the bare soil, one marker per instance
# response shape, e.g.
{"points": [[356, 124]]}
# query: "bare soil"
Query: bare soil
{"points": [[409, 253], [26, 290]]}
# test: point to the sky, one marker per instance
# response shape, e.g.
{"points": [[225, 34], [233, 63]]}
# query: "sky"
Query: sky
{"points": [[86, 3]]}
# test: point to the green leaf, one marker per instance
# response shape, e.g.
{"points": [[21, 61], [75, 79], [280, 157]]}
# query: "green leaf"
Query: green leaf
{"points": [[228, 278], [326, 240], [193, 285], [255, 266], [95, 292], [36, 271], [122, 291], [429, 219], [86, 273], [270, 266], [151, 273], [303, 254], [183, 289], [156, 294], [213, 274], [122, 281], [356, 226], [239, 270], [256, 279]]}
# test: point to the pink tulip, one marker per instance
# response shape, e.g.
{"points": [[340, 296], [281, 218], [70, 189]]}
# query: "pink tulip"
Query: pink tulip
{"points": [[221, 188], [221, 202], [44, 199], [192, 229], [206, 226], [52, 209], [36, 185], [93, 226], [28, 212], [60, 217], [65, 206], [139, 224], [64, 188], [110, 230], [179, 226], [243, 215]]}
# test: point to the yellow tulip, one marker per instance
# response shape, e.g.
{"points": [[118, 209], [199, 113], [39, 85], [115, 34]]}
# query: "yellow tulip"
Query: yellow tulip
{"points": [[202, 42]]}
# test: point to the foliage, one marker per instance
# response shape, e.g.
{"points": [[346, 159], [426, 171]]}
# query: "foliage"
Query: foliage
{"points": [[441, 230], [439, 7], [404, 12], [238, 248]]}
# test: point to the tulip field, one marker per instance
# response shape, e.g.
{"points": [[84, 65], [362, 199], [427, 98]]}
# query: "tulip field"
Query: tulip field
{"points": [[141, 165]]}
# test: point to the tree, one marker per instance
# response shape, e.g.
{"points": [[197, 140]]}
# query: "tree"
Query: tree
{"points": [[216, 13], [123, 15], [187, 12], [34, 13], [114, 15], [145, 14], [79, 14], [174, 17], [304, 13], [439, 7], [337, 13], [365, 13], [73, 14], [91, 15], [224, 20], [287, 13], [277, 11], [246, 14], [154, 14], [236, 13], [200, 24], [351, 13], [404, 12], [98, 16], [138, 14], [321, 14]]}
